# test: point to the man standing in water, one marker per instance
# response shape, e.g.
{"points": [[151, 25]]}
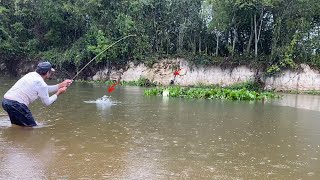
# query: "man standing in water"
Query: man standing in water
{"points": [[28, 89]]}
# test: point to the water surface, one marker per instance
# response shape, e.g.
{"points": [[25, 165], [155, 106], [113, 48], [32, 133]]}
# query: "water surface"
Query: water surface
{"points": [[136, 137]]}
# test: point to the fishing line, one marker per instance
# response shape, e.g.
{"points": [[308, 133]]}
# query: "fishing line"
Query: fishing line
{"points": [[100, 54]]}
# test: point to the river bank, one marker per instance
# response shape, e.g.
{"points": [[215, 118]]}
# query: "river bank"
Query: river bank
{"points": [[161, 73], [302, 79]]}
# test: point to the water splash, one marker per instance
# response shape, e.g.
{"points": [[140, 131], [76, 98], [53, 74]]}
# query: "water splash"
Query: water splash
{"points": [[103, 100], [43, 125], [103, 103]]}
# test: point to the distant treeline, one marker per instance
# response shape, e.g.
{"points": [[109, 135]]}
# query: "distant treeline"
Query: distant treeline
{"points": [[270, 34]]}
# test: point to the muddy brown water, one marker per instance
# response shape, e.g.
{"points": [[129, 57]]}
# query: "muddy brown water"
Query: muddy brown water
{"points": [[139, 137]]}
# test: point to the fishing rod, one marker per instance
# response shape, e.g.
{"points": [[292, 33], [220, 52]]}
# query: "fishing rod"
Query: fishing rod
{"points": [[100, 54]]}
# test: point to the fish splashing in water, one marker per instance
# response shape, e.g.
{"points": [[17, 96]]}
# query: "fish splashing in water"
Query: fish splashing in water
{"points": [[103, 103]]}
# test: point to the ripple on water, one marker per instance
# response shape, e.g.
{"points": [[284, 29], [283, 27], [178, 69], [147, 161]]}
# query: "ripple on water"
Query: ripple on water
{"points": [[5, 123], [281, 166], [220, 154], [43, 125]]}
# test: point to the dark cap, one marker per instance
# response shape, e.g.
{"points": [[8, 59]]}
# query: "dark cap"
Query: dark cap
{"points": [[44, 67]]}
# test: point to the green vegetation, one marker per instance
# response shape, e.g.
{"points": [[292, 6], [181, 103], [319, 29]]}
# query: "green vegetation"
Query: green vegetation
{"points": [[261, 33], [212, 93], [142, 82]]}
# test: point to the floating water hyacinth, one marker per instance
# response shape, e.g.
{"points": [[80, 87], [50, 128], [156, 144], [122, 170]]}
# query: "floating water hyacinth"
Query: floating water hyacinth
{"points": [[211, 93]]}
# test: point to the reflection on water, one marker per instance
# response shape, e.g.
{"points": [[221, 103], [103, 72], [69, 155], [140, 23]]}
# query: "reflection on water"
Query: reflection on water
{"points": [[301, 101], [87, 135]]}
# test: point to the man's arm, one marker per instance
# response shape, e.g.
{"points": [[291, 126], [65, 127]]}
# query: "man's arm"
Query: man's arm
{"points": [[53, 88], [43, 93]]}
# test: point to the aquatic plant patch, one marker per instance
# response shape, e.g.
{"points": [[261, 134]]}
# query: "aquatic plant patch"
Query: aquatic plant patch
{"points": [[212, 93]]}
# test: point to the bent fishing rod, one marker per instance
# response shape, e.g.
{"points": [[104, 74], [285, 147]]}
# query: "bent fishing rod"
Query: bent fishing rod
{"points": [[100, 54]]}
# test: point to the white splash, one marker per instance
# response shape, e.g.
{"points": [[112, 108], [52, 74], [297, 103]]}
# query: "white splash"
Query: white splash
{"points": [[103, 100], [103, 103], [166, 93]]}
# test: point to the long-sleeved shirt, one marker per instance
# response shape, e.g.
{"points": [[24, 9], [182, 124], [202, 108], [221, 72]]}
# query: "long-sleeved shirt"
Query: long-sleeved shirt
{"points": [[29, 88]]}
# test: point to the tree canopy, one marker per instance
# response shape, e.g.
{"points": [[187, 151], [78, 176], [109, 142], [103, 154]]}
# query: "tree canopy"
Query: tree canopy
{"points": [[271, 34]]}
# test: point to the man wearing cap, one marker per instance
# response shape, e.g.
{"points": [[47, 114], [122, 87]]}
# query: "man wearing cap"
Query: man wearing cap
{"points": [[28, 89]]}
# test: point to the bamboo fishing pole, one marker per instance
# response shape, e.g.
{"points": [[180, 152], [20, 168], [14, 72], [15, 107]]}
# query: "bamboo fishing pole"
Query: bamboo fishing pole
{"points": [[100, 54]]}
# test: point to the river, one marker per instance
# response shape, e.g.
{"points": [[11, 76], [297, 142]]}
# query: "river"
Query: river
{"points": [[139, 137]]}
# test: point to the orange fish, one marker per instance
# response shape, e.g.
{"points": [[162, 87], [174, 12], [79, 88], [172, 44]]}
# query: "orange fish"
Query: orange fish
{"points": [[111, 88]]}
